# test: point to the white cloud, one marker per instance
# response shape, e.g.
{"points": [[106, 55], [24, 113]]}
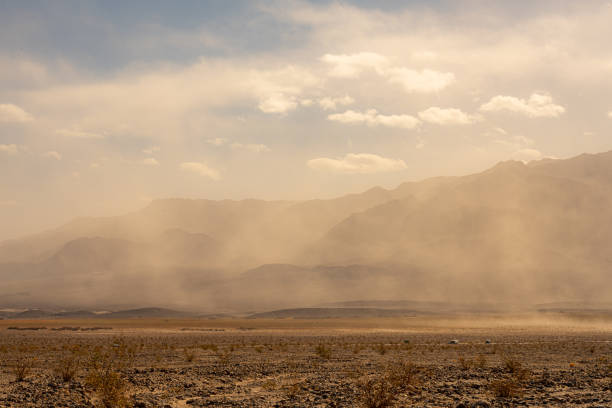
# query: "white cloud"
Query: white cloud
{"points": [[151, 150], [150, 161], [257, 148], [13, 113], [278, 90], [538, 105], [8, 203], [52, 155], [350, 66], [9, 149], [217, 141], [526, 155], [446, 116], [372, 118], [357, 163], [200, 169], [328, 103], [78, 134], [306, 102], [610, 114], [278, 103], [424, 81]]}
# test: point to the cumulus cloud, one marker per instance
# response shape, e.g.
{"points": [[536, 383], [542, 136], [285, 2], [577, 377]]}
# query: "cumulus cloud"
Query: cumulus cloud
{"points": [[13, 113], [257, 148], [538, 105], [526, 155], [610, 114], [328, 103], [151, 150], [9, 149], [79, 134], [279, 90], [306, 102], [446, 116], [423, 81], [357, 163], [150, 161], [52, 155], [278, 103], [350, 66], [372, 118], [200, 169]]}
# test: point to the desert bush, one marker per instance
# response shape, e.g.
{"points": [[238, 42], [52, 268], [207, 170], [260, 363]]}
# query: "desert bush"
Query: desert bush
{"points": [[376, 392], [67, 367], [464, 363], [189, 355], [111, 389], [381, 391], [323, 351], [511, 364], [22, 367], [223, 356], [403, 376], [104, 376], [380, 349], [506, 387], [480, 362]]}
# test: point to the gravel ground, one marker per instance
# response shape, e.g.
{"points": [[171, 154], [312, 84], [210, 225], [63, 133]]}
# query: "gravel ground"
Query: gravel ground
{"points": [[309, 367]]}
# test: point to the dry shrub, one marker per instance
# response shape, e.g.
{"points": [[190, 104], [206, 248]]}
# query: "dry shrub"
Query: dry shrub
{"points": [[511, 364], [404, 376], [506, 387], [111, 389], [380, 349], [223, 356], [382, 391], [105, 375], [464, 363], [323, 351], [189, 355], [480, 362], [376, 393], [22, 367], [67, 367]]}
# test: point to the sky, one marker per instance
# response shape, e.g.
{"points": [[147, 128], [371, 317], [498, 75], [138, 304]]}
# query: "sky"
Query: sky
{"points": [[107, 105]]}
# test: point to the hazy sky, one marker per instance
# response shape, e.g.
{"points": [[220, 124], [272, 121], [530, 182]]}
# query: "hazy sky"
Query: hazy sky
{"points": [[106, 105]]}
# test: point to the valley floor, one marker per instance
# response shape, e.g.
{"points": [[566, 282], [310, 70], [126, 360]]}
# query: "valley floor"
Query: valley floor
{"points": [[305, 363]]}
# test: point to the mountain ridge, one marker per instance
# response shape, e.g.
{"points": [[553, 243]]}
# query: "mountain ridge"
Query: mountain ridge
{"points": [[536, 229]]}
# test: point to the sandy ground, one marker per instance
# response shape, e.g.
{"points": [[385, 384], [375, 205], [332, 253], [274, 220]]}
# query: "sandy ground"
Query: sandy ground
{"points": [[516, 361]]}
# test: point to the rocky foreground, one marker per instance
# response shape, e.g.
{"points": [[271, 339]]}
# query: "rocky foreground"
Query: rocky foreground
{"points": [[238, 367]]}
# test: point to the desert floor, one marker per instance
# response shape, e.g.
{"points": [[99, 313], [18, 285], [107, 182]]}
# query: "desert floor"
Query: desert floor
{"points": [[498, 361]]}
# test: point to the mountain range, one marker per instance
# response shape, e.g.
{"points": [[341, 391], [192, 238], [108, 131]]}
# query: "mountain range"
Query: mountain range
{"points": [[517, 232]]}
